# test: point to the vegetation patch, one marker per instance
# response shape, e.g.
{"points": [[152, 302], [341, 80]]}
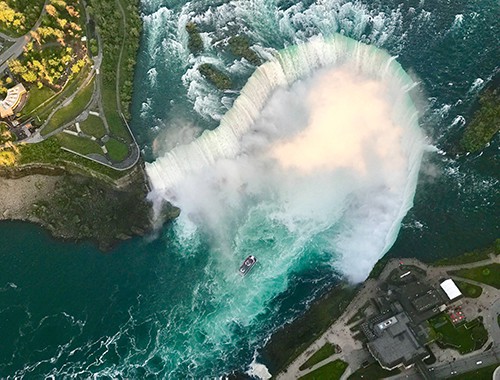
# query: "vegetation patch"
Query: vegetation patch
{"points": [[82, 145], [69, 89], [469, 290], [5, 134], [464, 338], [115, 121], [215, 76], [195, 43], [378, 268], [471, 257], [323, 353], [291, 340], [331, 371], [240, 47], [117, 150], [372, 371], [487, 274], [85, 208], [49, 152], [55, 53], [36, 96], [18, 16], [120, 43], [70, 111], [485, 123], [93, 126]]}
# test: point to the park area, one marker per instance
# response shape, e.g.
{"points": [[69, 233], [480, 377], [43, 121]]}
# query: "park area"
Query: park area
{"points": [[331, 371], [465, 337], [323, 353], [487, 274]]}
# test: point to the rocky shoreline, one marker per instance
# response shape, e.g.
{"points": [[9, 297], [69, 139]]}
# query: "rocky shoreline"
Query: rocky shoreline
{"points": [[76, 207]]}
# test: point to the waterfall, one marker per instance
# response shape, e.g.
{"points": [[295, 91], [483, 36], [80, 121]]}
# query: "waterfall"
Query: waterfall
{"points": [[351, 205]]}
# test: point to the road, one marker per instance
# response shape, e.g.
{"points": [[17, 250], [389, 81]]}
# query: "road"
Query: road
{"points": [[445, 371], [96, 100], [340, 334]]}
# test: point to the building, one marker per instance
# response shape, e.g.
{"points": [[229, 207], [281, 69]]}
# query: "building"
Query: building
{"points": [[12, 100], [395, 343], [451, 289]]}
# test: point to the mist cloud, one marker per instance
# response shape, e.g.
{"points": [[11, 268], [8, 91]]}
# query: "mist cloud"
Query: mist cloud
{"points": [[328, 165]]}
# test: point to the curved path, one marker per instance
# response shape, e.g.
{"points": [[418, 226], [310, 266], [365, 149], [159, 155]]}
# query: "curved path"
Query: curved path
{"points": [[96, 101]]}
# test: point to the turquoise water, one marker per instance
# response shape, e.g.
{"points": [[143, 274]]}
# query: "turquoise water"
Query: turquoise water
{"points": [[153, 307]]}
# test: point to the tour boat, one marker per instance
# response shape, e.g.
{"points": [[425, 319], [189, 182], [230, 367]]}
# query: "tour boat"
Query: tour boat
{"points": [[247, 265]]}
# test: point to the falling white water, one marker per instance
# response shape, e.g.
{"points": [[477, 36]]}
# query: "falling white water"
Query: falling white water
{"points": [[249, 182]]}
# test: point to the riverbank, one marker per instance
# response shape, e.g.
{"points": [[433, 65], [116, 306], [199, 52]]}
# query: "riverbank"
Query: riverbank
{"points": [[19, 195], [76, 207], [342, 333]]}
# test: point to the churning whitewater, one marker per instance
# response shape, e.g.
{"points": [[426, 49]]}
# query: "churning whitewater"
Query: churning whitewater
{"points": [[319, 155]]}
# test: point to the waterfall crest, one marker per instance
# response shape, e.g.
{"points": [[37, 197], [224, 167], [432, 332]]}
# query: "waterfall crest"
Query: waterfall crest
{"points": [[351, 207]]}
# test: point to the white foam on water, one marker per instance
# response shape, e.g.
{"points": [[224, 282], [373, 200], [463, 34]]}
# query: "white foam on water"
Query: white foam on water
{"points": [[476, 86], [219, 182], [258, 371]]}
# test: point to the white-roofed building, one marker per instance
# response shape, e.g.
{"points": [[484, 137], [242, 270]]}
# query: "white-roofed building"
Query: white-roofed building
{"points": [[12, 100], [451, 289]]}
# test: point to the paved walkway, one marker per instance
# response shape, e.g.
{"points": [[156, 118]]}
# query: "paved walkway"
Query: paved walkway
{"points": [[352, 350], [134, 152]]}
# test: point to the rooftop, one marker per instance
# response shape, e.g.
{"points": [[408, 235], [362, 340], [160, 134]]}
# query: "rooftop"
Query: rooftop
{"points": [[396, 343], [451, 289], [12, 100]]}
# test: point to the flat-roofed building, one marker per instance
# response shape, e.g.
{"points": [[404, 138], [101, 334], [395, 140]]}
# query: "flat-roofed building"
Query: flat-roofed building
{"points": [[396, 344], [12, 100], [451, 289]]}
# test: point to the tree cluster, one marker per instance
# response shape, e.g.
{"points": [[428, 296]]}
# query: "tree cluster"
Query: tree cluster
{"points": [[18, 16], [56, 52], [195, 43], [109, 25], [485, 124], [240, 46], [215, 76]]}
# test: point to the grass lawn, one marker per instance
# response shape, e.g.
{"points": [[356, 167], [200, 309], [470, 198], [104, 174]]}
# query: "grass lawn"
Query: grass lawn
{"points": [[471, 257], [294, 338], [116, 124], [485, 373], [117, 150], [71, 111], [330, 371], [373, 371], [81, 145], [70, 88], [49, 152], [36, 97], [469, 290], [487, 274], [93, 126], [464, 338], [324, 352]]}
